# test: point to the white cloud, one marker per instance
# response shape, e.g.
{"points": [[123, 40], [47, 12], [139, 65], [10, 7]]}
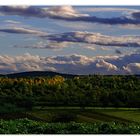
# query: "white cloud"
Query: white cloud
{"points": [[105, 48], [108, 66], [132, 68], [62, 11], [12, 21], [21, 30], [74, 64], [90, 47]]}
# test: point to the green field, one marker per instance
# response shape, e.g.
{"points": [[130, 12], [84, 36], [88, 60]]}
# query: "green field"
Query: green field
{"points": [[122, 115], [72, 120]]}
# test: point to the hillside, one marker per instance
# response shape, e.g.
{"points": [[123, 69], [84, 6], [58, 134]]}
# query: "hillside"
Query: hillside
{"points": [[36, 74]]}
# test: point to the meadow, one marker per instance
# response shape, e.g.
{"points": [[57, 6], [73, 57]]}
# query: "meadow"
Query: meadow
{"points": [[121, 115]]}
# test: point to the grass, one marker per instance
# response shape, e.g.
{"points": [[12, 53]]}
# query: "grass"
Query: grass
{"points": [[77, 114], [91, 115], [131, 115]]}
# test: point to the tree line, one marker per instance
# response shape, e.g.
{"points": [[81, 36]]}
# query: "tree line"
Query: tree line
{"points": [[91, 90]]}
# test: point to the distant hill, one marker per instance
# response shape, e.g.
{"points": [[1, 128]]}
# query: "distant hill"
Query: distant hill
{"points": [[37, 74], [1, 75], [47, 73]]}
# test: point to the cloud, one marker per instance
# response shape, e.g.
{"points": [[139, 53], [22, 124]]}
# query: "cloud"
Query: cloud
{"points": [[21, 30], [108, 66], [33, 11], [105, 48], [107, 9], [90, 47], [20, 10], [62, 12], [130, 26], [79, 64], [12, 21], [133, 68], [95, 38], [63, 40], [25, 62], [136, 15], [67, 13], [46, 45], [74, 64], [118, 51]]}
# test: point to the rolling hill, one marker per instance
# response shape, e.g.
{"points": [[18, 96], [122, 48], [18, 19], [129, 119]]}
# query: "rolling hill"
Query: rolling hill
{"points": [[36, 74]]}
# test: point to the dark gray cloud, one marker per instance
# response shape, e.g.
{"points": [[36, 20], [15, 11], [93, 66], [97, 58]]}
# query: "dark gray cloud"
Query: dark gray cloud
{"points": [[95, 38], [67, 13], [21, 30], [111, 21], [136, 15], [34, 11], [22, 10], [118, 51]]}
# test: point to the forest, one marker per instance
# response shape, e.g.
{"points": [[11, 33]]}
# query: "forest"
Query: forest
{"points": [[83, 91]]}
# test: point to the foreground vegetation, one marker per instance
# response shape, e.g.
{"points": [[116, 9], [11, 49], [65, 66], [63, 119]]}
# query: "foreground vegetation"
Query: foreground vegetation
{"points": [[25, 126]]}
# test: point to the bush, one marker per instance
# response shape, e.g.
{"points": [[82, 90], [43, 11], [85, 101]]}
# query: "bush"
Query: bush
{"points": [[25, 126]]}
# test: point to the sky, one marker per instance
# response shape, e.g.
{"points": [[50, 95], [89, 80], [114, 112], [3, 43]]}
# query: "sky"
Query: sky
{"points": [[70, 39]]}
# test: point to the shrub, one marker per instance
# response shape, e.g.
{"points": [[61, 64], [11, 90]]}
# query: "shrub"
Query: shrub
{"points": [[25, 126]]}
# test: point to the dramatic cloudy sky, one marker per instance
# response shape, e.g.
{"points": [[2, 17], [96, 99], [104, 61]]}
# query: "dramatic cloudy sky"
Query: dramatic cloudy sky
{"points": [[66, 39]]}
